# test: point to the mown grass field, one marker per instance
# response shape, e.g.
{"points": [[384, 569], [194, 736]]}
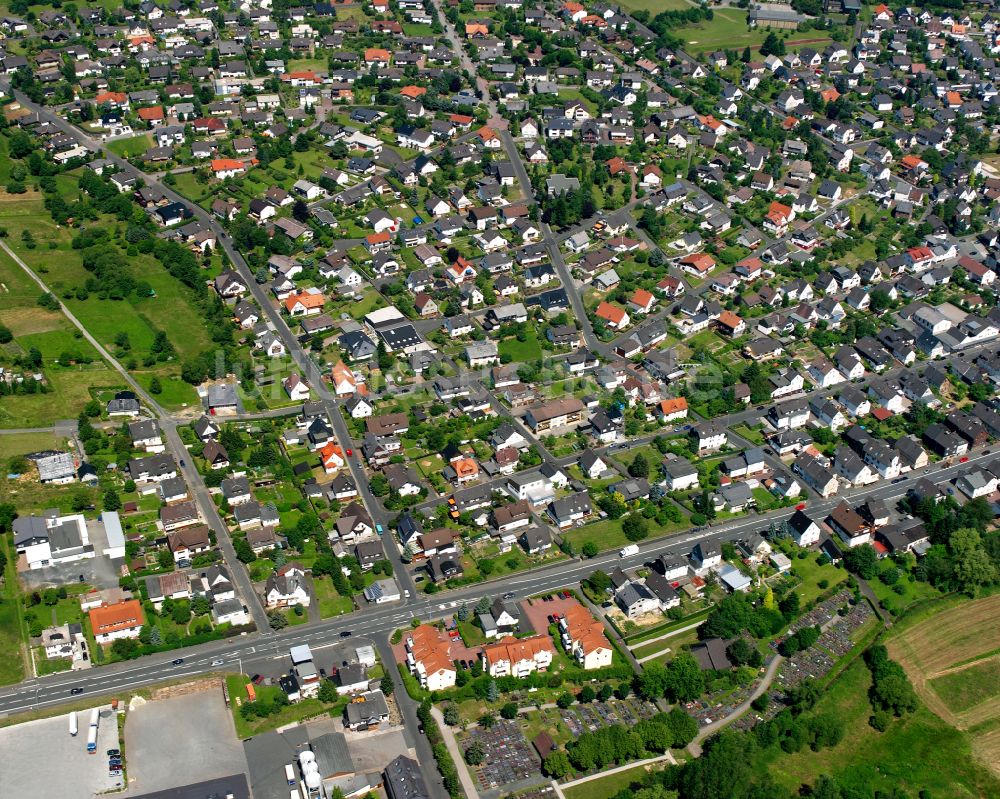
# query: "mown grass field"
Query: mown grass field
{"points": [[11, 636], [606, 787], [60, 266], [919, 752], [952, 655], [70, 385], [131, 147]]}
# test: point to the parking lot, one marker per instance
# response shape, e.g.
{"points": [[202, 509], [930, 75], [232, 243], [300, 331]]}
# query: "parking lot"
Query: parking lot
{"points": [[191, 733], [41, 758], [541, 609]]}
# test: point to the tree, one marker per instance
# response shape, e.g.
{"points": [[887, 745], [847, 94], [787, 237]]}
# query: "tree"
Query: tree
{"points": [[451, 716], [862, 561], [387, 685], [200, 606], [685, 680], [112, 501], [972, 563], [590, 550], [635, 528], [740, 652], [276, 619], [564, 700], [8, 512], [385, 358], [327, 691], [586, 695], [165, 559], [639, 466], [154, 386], [492, 691], [599, 581], [509, 711], [300, 211], [652, 683], [556, 765]]}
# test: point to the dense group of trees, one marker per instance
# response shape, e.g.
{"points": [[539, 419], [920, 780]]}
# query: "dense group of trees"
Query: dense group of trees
{"points": [[738, 612], [617, 743], [891, 693], [681, 680], [965, 554]]}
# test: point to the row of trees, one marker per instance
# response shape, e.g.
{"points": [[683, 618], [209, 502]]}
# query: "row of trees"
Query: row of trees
{"points": [[619, 744]]}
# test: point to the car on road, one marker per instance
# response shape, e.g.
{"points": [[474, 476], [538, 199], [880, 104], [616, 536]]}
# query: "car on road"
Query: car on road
{"points": [[420, 728], [509, 595], [113, 752], [182, 463], [800, 506], [177, 661], [218, 662], [257, 679], [900, 479], [350, 452], [964, 459], [75, 691], [406, 593], [345, 634], [378, 529]]}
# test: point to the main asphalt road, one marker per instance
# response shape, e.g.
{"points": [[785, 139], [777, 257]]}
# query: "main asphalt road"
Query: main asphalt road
{"points": [[378, 621]]}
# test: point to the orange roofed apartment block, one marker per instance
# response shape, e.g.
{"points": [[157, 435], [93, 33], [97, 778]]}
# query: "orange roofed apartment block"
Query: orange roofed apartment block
{"points": [[428, 656], [121, 620], [584, 636]]}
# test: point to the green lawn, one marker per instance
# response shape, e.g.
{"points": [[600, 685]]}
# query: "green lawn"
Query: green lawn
{"points": [[912, 593], [61, 267], [811, 573], [608, 534], [606, 787], [969, 687], [22, 443], [728, 29], [662, 629], [654, 7], [11, 637], [306, 709], [70, 385], [132, 147], [330, 602], [919, 752], [521, 351], [750, 434]]}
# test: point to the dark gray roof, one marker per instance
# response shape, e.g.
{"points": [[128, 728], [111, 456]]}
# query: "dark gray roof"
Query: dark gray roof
{"points": [[403, 779]]}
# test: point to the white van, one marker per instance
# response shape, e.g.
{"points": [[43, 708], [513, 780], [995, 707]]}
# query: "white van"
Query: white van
{"points": [[631, 549]]}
